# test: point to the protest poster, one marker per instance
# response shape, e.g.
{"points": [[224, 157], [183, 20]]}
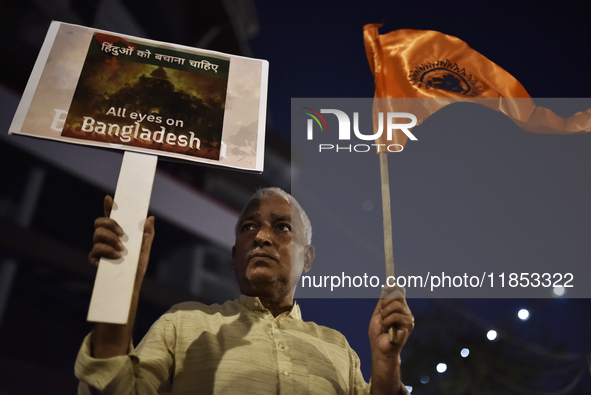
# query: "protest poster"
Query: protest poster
{"points": [[110, 90]]}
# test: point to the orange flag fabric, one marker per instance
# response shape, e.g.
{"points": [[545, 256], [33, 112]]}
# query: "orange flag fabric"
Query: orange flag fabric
{"points": [[439, 70]]}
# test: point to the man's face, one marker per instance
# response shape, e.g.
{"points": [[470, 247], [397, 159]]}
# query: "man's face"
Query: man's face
{"points": [[269, 254]]}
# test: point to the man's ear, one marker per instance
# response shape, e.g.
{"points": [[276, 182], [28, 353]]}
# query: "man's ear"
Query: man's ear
{"points": [[308, 258]]}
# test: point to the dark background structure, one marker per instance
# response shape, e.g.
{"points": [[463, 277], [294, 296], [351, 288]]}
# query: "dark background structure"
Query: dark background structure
{"points": [[315, 49]]}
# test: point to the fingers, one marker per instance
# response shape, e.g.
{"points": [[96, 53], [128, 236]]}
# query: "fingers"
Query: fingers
{"points": [[109, 224], [148, 235], [108, 205], [399, 322], [106, 236], [391, 323], [103, 251], [107, 239], [394, 306], [149, 226], [147, 239], [395, 312]]}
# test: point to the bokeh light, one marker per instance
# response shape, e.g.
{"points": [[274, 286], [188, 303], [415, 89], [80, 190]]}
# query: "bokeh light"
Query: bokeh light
{"points": [[492, 334], [559, 291], [523, 314]]}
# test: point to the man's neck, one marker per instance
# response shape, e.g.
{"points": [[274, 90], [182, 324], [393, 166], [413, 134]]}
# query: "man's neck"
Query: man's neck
{"points": [[275, 307], [275, 299]]}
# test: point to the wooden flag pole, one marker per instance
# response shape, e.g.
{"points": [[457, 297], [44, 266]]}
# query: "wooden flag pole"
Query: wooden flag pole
{"points": [[387, 217], [113, 287]]}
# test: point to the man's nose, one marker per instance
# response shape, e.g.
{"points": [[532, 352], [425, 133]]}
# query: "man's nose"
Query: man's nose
{"points": [[263, 236]]}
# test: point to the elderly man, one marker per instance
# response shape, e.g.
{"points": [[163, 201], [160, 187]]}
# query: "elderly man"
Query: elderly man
{"points": [[257, 344]]}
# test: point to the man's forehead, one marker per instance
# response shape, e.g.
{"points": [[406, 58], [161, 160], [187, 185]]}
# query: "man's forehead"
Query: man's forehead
{"points": [[275, 206], [257, 214]]}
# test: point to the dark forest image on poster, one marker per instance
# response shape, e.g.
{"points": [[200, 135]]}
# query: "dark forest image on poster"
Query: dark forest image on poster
{"points": [[145, 96]]}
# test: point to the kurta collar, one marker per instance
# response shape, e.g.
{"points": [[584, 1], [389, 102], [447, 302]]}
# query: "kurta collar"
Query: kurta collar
{"points": [[254, 303]]}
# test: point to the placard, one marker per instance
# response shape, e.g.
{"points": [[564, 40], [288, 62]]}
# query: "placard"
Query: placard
{"points": [[105, 89]]}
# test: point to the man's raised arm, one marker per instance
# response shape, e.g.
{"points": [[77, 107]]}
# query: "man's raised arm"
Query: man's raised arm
{"points": [[386, 356]]}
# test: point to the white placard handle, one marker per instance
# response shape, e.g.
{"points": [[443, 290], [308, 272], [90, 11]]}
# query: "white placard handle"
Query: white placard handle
{"points": [[115, 278]]}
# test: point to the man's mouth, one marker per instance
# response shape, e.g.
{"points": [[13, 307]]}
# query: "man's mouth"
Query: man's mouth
{"points": [[259, 253]]}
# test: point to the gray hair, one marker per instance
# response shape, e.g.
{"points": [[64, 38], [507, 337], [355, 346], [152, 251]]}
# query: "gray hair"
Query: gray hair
{"points": [[273, 191]]}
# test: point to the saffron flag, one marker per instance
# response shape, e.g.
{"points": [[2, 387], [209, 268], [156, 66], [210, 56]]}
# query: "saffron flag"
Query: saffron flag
{"points": [[423, 71]]}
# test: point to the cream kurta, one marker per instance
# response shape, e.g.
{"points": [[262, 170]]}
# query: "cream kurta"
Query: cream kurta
{"points": [[234, 348]]}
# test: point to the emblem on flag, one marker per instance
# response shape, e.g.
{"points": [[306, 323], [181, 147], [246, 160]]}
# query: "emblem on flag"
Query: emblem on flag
{"points": [[445, 76]]}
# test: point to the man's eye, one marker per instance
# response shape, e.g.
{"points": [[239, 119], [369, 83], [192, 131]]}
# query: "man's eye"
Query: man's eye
{"points": [[247, 227], [284, 227]]}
